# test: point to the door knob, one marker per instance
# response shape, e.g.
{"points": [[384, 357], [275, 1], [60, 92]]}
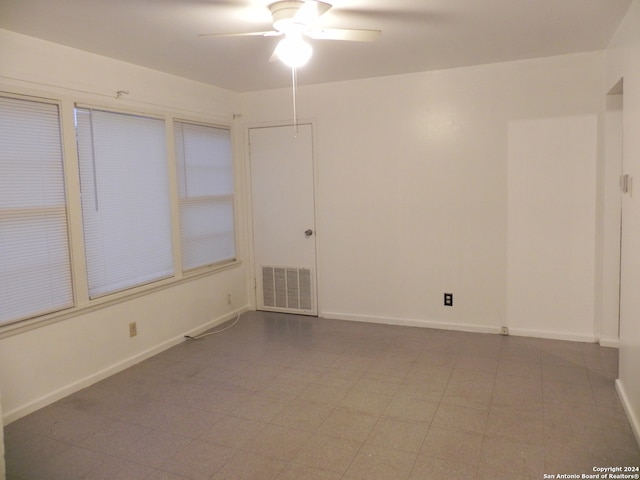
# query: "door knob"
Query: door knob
{"points": [[308, 233]]}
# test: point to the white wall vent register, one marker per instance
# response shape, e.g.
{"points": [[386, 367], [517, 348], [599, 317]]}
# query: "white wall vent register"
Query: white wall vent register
{"points": [[286, 287]]}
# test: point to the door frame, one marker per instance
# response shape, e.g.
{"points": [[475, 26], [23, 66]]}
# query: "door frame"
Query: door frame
{"points": [[611, 222], [251, 277]]}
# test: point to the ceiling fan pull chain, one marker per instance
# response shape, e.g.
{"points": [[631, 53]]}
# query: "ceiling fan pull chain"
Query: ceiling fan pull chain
{"points": [[294, 81]]}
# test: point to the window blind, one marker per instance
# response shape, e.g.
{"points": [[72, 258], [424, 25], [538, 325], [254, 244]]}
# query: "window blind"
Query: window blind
{"points": [[35, 270], [205, 185], [125, 199]]}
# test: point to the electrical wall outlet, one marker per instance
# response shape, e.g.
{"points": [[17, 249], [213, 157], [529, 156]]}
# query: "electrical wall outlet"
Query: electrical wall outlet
{"points": [[133, 329], [228, 299], [448, 299]]}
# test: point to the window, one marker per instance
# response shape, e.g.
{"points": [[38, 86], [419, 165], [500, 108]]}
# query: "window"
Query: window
{"points": [[205, 186], [35, 270], [125, 199]]}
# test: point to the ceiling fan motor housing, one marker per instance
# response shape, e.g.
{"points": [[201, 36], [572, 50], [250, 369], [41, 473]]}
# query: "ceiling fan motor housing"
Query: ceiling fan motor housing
{"points": [[296, 15], [283, 13]]}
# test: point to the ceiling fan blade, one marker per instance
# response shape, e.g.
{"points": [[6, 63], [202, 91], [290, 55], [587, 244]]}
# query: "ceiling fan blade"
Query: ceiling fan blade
{"points": [[352, 35], [274, 56], [270, 33], [310, 11]]}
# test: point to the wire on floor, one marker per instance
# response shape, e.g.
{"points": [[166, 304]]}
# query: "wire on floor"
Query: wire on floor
{"points": [[214, 332]]}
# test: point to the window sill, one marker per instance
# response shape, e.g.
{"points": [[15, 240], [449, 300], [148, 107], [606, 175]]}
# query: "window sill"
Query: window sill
{"points": [[21, 326]]}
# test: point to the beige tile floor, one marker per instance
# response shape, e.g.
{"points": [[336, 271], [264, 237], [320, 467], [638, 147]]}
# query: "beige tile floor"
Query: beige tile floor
{"points": [[296, 398]]}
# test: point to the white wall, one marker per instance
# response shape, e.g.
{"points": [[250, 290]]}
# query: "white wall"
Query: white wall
{"points": [[43, 364], [479, 181], [623, 61], [551, 226]]}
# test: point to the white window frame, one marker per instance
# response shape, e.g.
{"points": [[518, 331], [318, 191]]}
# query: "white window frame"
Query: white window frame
{"points": [[109, 272], [201, 200], [63, 208], [82, 303]]}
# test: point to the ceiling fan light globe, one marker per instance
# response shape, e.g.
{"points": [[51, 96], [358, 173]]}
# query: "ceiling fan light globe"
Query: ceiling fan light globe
{"points": [[293, 51]]}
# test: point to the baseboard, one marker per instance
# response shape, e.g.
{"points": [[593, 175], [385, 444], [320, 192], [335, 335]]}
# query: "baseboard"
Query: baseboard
{"points": [[464, 327], [60, 393], [410, 322], [609, 342], [634, 421], [550, 335]]}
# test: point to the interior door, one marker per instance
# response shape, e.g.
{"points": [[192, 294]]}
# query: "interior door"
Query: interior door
{"points": [[284, 239]]}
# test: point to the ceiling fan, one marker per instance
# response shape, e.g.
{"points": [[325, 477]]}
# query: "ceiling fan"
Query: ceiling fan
{"points": [[296, 19]]}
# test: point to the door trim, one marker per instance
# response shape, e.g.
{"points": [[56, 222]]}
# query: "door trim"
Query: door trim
{"points": [[251, 278]]}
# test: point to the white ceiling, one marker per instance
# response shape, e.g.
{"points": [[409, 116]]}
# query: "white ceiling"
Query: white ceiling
{"points": [[417, 35]]}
